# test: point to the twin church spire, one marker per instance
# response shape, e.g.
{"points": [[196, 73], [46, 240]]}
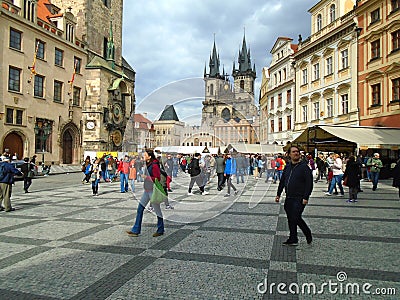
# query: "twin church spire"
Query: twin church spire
{"points": [[244, 61]]}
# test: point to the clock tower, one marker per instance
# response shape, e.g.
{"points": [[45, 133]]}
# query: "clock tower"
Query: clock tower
{"points": [[109, 97]]}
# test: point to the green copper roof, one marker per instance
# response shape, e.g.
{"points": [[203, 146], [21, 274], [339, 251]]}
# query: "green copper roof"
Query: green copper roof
{"points": [[169, 114]]}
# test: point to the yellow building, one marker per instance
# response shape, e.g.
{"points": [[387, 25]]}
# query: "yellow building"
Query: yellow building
{"points": [[326, 67], [379, 67]]}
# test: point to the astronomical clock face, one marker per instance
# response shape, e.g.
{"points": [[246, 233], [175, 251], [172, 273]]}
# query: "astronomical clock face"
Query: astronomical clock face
{"points": [[117, 137], [117, 113]]}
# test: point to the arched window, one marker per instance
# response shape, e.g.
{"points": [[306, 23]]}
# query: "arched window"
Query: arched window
{"points": [[242, 84], [332, 12], [319, 22], [211, 89]]}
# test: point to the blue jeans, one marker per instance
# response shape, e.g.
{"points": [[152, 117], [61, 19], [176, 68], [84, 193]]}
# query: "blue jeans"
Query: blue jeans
{"points": [[278, 175], [123, 182], [132, 182], [374, 178], [336, 179], [139, 215], [240, 175]]}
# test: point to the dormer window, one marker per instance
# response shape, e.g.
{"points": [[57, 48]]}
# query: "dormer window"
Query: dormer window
{"points": [[69, 32], [29, 10]]}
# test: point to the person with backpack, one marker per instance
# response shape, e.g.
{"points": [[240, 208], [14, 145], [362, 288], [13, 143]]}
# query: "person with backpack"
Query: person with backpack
{"points": [[194, 171], [28, 170], [152, 173], [7, 173]]}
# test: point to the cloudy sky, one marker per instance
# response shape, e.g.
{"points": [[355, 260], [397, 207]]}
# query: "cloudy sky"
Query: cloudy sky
{"points": [[168, 42]]}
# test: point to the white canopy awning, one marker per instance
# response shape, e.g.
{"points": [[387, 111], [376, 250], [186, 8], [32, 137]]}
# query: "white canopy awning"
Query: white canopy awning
{"points": [[255, 148], [364, 137], [180, 149]]}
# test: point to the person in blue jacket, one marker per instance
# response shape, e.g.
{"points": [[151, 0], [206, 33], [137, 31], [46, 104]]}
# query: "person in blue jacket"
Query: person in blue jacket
{"points": [[230, 169], [7, 173], [297, 180]]}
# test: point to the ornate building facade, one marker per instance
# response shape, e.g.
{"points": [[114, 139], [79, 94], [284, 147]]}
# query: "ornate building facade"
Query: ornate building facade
{"points": [[65, 87], [326, 67], [277, 94], [229, 109], [379, 62]]}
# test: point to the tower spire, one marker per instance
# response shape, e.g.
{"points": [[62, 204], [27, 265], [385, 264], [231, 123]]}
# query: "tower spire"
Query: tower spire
{"points": [[214, 62]]}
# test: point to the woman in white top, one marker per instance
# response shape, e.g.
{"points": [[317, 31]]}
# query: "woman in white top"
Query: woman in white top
{"points": [[337, 176]]}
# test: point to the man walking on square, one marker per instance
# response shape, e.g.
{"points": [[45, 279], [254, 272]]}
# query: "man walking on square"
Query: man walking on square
{"points": [[123, 170], [297, 181], [7, 172], [220, 168], [375, 165], [195, 175]]}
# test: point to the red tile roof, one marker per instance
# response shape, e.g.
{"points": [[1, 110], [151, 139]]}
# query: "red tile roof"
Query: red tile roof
{"points": [[294, 47], [143, 122], [43, 12]]}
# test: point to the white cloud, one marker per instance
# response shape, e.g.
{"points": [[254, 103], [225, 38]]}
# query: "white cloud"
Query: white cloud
{"points": [[168, 41]]}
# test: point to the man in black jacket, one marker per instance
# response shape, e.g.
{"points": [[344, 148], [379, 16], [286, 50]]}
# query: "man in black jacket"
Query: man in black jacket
{"points": [[27, 169], [298, 183], [195, 175]]}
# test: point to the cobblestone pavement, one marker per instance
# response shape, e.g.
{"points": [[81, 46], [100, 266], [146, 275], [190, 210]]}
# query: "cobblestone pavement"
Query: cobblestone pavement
{"points": [[63, 243]]}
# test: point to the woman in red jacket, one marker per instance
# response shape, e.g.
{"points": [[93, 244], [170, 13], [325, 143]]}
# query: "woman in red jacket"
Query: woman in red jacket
{"points": [[153, 173]]}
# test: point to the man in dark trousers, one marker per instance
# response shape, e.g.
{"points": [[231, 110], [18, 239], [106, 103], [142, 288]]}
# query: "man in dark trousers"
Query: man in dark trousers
{"points": [[298, 183], [27, 169], [195, 175]]}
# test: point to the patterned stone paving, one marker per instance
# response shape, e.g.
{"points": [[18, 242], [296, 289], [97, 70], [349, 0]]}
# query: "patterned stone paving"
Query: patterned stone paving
{"points": [[62, 243]]}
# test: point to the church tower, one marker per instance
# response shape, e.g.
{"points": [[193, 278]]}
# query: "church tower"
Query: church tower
{"points": [[245, 75], [216, 87], [109, 103]]}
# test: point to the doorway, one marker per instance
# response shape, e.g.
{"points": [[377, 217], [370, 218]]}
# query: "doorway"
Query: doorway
{"points": [[14, 143]]}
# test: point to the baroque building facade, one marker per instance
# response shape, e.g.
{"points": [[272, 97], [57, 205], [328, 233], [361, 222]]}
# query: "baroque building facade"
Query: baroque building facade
{"points": [[65, 87], [229, 112], [326, 67], [379, 62], [277, 94]]}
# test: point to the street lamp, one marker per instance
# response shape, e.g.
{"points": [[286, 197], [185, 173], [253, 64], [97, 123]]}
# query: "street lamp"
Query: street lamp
{"points": [[43, 131]]}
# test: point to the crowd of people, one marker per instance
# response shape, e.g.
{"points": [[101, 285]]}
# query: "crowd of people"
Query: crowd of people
{"points": [[295, 171]]}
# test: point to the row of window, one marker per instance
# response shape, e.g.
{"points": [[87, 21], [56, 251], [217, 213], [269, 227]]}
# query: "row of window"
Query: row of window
{"points": [[288, 99], [200, 144], [375, 15], [14, 85], [376, 45], [344, 59], [332, 17], [344, 101], [280, 124], [329, 108], [40, 50], [376, 92]]}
